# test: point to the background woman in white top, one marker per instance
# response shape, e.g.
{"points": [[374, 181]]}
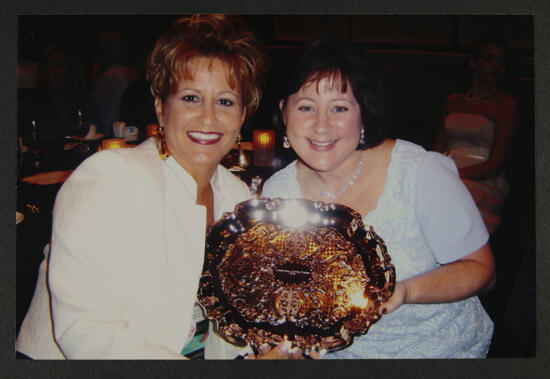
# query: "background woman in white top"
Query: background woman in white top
{"points": [[477, 128]]}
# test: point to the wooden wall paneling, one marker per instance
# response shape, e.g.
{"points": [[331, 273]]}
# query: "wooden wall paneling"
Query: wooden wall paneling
{"points": [[419, 29], [309, 27], [517, 30]]}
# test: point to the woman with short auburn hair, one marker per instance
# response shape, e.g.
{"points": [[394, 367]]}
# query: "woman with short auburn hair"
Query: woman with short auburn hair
{"points": [[129, 225]]}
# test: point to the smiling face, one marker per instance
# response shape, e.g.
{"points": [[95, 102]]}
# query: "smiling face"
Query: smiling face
{"points": [[323, 124], [490, 64], [202, 117]]}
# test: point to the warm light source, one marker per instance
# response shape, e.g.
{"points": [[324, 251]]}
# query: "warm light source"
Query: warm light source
{"points": [[113, 143], [264, 139], [263, 142]]}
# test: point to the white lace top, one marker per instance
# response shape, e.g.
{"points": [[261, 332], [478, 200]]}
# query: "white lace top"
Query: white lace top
{"points": [[427, 218]]}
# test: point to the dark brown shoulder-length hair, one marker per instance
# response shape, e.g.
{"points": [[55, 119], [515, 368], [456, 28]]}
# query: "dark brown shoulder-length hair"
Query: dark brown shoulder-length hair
{"points": [[339, 60], [212, 36]]}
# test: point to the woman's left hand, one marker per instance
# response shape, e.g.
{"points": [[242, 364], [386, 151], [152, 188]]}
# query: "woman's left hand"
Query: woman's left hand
{"points": [[396, 300], [469, 276]]}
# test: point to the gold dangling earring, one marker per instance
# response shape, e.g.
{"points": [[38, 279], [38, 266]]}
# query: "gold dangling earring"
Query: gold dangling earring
{"points": [[161, 144], [286, 142], [243, 161]]}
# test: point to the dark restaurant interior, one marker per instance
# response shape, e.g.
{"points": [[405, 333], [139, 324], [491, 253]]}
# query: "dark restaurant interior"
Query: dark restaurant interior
{"points": [[423, 59]]}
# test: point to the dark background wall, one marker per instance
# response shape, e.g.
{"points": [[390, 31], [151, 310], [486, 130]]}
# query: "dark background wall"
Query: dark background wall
{"points": [[423, 58]]}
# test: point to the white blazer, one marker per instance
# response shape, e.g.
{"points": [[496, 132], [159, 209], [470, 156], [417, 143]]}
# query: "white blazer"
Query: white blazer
{"points": [[126, 256]]}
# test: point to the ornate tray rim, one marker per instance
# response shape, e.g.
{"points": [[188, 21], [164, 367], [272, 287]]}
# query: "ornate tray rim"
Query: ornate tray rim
{"points": [[270, 204]]}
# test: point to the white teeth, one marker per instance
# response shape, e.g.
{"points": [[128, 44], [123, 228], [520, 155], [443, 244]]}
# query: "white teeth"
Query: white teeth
{"points": [[326, 143], [204, 136]]}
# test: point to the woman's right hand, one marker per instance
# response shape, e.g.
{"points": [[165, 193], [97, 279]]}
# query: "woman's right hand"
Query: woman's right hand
{"points": [[283, 350]]}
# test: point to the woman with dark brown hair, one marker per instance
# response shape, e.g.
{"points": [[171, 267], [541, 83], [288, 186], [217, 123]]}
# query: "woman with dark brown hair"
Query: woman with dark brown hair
{"points": [[332, 114]]}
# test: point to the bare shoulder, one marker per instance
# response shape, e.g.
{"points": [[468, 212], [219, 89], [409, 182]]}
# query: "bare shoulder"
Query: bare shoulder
{"points": [[454, 101], [455, 97], [506, 100]]}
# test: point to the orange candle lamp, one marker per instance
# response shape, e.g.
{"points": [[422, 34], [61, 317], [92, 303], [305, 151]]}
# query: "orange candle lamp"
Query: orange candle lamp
{"points": [[263, 142], [113, 143]]}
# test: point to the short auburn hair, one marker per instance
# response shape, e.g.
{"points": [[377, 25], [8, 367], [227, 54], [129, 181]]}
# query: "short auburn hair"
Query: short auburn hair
{"points": [[213, 36]]}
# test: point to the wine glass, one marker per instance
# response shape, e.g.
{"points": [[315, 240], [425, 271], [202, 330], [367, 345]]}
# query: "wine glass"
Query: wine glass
{"points": [[34, 141], [80, 126]]}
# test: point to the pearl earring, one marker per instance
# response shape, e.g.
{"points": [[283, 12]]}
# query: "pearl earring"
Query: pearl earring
{"points": [[286, 142]]}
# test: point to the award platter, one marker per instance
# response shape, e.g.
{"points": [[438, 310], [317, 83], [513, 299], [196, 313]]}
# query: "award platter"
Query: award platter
{"points": [[305, 271]]}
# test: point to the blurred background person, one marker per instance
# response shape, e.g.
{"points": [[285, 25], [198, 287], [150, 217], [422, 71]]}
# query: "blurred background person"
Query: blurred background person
{"points": [[137, 103], [477, 128], [62, 102], [112, 75]]}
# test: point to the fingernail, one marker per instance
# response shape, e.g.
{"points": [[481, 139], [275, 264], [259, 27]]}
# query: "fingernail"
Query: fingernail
{"points": [[384, 310]]}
